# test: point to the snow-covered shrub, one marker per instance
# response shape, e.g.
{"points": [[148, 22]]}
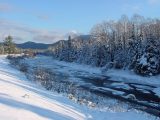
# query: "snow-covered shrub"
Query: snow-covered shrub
{"points": [[120, 60], [108, 66], [13, 60], [118, 65], [45, 76], [16, 59], [23, 67], [9, 57], [149, 62], [115, 65], [147, 65], [18, 62]]}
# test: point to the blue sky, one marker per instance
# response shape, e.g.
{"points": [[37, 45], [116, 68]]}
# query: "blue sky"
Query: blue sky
{"points": [[54, 19]]}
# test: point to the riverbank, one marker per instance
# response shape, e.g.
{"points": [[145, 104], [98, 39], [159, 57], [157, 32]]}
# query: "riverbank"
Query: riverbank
{"points": [[21, 99]]}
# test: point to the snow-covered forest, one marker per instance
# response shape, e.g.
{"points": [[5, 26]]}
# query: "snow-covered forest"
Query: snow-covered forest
{"points": [[128, 43]]}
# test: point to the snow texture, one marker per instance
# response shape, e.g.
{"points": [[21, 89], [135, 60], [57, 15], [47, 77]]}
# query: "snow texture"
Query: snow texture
{"points": [[23, 100]]}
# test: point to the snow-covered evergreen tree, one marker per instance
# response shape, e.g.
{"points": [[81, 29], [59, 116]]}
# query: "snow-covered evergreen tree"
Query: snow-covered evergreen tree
{"points": [[149, 62]]}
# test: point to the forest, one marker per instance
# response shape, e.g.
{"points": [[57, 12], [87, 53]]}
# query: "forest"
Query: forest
{"points": [[128, 43]]}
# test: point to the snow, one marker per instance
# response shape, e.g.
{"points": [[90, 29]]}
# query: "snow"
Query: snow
{"points": [[113, 91], [157, 91], [143, 60], [120, 85], [130, 76], [21, 99]]}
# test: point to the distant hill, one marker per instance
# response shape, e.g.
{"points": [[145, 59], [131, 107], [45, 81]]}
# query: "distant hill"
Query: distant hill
{"points": [[33, 45]]}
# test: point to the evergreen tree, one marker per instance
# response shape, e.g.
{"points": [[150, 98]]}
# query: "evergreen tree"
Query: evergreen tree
{"points": [[9, 46], [149, 62], [1, 49]]}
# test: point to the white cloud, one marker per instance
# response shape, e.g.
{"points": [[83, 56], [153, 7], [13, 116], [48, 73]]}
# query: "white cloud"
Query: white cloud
{"points": [[5, 7], [72, 33], [154, 2], [43, 17], [136, 9], [48, 36], [23, 33], [131, 8]]}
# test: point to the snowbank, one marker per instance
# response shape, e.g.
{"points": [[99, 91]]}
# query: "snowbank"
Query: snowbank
{"points": [[130, 76]]}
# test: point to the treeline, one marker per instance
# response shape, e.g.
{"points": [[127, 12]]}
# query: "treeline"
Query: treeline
{"points": [[8, 46], [132, 43]]}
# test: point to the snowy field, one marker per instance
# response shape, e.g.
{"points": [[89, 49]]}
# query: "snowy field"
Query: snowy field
{"points": [[24, 100]]}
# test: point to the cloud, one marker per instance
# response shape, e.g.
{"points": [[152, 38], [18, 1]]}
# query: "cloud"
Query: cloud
{"points": [[48, 36], [23, 33], [5, 7], [43, 17], [131, 8], [72, 33], [136, 9], [17, 38], [154, 2]]}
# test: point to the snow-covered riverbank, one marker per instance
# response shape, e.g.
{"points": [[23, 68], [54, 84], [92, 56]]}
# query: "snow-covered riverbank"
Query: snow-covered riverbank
{"points": [[21, 99]]}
